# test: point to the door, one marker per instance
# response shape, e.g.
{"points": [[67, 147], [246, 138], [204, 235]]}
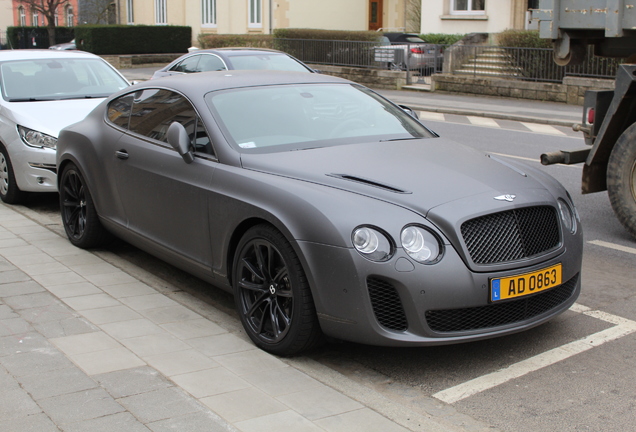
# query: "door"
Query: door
{"points": [[375, 14]]}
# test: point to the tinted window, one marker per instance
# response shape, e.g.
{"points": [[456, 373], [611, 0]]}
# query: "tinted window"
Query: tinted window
{"points": [[119, 110], [188, 65], [154, 110], [210, 63]]}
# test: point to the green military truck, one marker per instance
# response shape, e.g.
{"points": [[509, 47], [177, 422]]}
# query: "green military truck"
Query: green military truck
{"points": [[609, 117]]}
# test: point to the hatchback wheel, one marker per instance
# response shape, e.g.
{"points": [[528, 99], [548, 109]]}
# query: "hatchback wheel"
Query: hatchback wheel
{"points": [[272, 294], [9, 191], [79, 216]]}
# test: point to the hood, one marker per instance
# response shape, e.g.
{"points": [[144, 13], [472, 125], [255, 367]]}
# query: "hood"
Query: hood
{"points": [[50, 117], [416, 174]]}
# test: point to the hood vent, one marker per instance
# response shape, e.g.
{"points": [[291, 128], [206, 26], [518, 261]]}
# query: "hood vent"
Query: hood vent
{"points": [[369, 182]]}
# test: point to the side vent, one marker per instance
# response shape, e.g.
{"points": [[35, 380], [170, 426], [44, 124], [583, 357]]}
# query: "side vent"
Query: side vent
{"points": [[369, 182], [387, 305]]}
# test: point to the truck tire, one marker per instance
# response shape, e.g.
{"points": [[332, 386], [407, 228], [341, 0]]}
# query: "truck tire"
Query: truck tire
{"points": [[621, 179]]}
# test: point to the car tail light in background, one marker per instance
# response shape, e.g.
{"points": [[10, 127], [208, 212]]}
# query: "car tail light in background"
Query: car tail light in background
{"points": [[417, 50]]}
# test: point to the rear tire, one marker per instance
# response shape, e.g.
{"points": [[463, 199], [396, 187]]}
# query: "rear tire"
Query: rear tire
{"points": [[9, 191], [272, 294], [79, 217], [621, 179]]}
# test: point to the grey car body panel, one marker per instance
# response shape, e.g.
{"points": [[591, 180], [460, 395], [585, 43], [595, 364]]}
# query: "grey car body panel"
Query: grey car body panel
{"points": [[191, 215]]}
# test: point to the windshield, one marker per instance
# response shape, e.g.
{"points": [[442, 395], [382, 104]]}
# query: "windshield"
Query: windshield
{"points": [[266, 61], [55, 79], [294, 117]]}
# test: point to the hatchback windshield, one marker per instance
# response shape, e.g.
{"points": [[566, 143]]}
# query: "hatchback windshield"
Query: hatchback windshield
{"points": [[55, 79], [293, 117]]}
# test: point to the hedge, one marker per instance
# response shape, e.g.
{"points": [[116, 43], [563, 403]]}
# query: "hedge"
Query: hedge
{"points": [[24, 37], [133, 39]]}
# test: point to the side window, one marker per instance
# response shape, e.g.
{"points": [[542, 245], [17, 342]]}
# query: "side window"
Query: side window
{"points": [[210, 63], [154, 110], [119, 110], [188, 65]]}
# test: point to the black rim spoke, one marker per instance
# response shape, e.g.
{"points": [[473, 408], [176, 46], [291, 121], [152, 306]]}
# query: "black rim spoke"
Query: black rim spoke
{"points": [[73, 203]]}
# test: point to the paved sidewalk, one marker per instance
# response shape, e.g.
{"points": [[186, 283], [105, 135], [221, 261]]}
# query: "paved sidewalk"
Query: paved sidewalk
{"points": [[87, 346]]}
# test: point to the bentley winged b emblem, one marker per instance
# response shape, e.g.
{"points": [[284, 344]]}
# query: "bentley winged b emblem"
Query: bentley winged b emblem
{"points": [[506, 197]]}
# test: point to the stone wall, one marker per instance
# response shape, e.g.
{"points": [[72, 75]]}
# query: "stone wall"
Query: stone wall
{"points": [[375, 78], [571, 91]]}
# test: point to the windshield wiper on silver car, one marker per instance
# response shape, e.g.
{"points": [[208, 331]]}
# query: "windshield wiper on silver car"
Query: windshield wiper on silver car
{"points": [[401, 139], [31, 99]]}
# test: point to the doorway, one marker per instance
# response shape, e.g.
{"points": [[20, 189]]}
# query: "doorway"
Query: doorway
{"points": [[375, 14]]}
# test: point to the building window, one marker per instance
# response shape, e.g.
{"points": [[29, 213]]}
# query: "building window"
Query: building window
{"points": [[255, 13], [130, 15], [35, 21], [468, 7], [160, 12], [69, 17], [22, 16], [208, 13]]}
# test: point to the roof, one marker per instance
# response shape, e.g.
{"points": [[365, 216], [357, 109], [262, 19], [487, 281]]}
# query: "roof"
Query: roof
{"points": [[31, 54], [204, 82]]}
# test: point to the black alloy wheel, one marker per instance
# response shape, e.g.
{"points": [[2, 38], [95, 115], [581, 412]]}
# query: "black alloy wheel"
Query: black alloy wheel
{"points": [[272, 294], [79, 216]]}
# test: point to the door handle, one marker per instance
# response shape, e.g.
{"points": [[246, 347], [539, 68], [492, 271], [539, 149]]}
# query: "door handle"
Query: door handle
{"points": [[121, 154]]}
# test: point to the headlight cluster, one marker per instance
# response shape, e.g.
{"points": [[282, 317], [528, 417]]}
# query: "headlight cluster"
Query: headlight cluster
{"points": [[34, 138], [419, 243], [568, 215]]}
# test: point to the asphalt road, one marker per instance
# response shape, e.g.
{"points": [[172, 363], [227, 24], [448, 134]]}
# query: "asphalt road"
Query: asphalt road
{"points": [[575, 373]]}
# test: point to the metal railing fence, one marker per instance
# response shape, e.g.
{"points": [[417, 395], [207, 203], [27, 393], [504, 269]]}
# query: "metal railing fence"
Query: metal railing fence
{"points": [[331, 52], [528, 64]]}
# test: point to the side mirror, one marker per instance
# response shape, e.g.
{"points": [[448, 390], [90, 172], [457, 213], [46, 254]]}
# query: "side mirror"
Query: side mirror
{"points": [[179, 140], [409, 111]]}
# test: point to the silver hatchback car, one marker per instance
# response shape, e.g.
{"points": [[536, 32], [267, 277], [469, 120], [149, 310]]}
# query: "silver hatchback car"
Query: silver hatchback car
{"points": [[42, 92]]}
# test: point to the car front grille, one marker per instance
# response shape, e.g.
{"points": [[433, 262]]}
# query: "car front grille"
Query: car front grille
{"points": [[387, 305], [498, 314], [511, 235]]}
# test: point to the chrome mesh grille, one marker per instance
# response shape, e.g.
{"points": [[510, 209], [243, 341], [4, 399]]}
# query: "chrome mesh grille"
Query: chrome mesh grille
{"points": [[498, 314], [386, 303], [511, 235]]}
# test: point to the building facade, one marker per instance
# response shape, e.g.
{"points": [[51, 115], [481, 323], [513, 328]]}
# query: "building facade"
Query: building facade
{"points": [[263, 16], [25, 15], [474, 16]]}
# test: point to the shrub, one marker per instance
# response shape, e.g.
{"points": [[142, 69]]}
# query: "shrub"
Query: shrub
{"points": [[23, 37], [133, 39], [441, 39], [342, 35], [522, 39], [207, 41]]}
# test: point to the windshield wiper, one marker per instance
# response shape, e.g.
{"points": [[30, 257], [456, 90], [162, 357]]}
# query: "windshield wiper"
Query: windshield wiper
{"points": [[31, 99], [400, 139]]}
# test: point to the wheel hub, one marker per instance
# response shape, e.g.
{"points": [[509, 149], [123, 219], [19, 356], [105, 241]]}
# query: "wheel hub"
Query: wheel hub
{"points": [[272, 289]]}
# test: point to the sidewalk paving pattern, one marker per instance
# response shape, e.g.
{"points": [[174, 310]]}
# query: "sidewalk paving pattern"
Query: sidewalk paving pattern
{"points": [[85, 346]]}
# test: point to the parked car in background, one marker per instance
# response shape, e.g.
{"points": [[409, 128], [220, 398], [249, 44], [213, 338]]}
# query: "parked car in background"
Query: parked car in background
{"points": [[410, 48], [64, 46], [220, 59], [43, 91], [324, 208]]}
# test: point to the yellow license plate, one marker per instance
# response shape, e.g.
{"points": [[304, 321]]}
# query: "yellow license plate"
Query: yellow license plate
{"points": [[525, 284]]}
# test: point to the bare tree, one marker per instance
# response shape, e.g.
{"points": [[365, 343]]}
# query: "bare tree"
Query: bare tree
{"points": [[413, 16], [97, 12], [48, 8]]}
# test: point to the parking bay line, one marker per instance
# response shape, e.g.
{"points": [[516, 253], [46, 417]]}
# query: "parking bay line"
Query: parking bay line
{"points": [[613, 246], [622, 327]]}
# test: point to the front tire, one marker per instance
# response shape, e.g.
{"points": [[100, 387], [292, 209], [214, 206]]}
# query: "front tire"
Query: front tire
{"points": [[272, 294], [79, 216], [621, 179], [9, 191]]}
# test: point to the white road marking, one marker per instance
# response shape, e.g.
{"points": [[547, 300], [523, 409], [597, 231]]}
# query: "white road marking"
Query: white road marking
{"points": [[613, 246], [542, 128], [483, 121], [432, 116], [622, 327]]}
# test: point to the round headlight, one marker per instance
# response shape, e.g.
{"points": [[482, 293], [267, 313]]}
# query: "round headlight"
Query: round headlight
{"points": [[567, 216], [420, 244], [371, 244]]}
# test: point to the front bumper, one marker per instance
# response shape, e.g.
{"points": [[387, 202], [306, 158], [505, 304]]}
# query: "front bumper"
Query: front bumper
{"points": [[34, 168], [403, 303]]}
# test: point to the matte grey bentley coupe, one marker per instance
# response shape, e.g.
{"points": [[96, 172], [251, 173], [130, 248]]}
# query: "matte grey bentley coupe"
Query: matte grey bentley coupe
{"points": [[324, 208]]}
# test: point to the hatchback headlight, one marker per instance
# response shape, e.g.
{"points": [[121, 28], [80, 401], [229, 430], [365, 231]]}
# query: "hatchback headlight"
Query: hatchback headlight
{"points": [[421, 244], [568, 215], [37, 139], [372, 244]]}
